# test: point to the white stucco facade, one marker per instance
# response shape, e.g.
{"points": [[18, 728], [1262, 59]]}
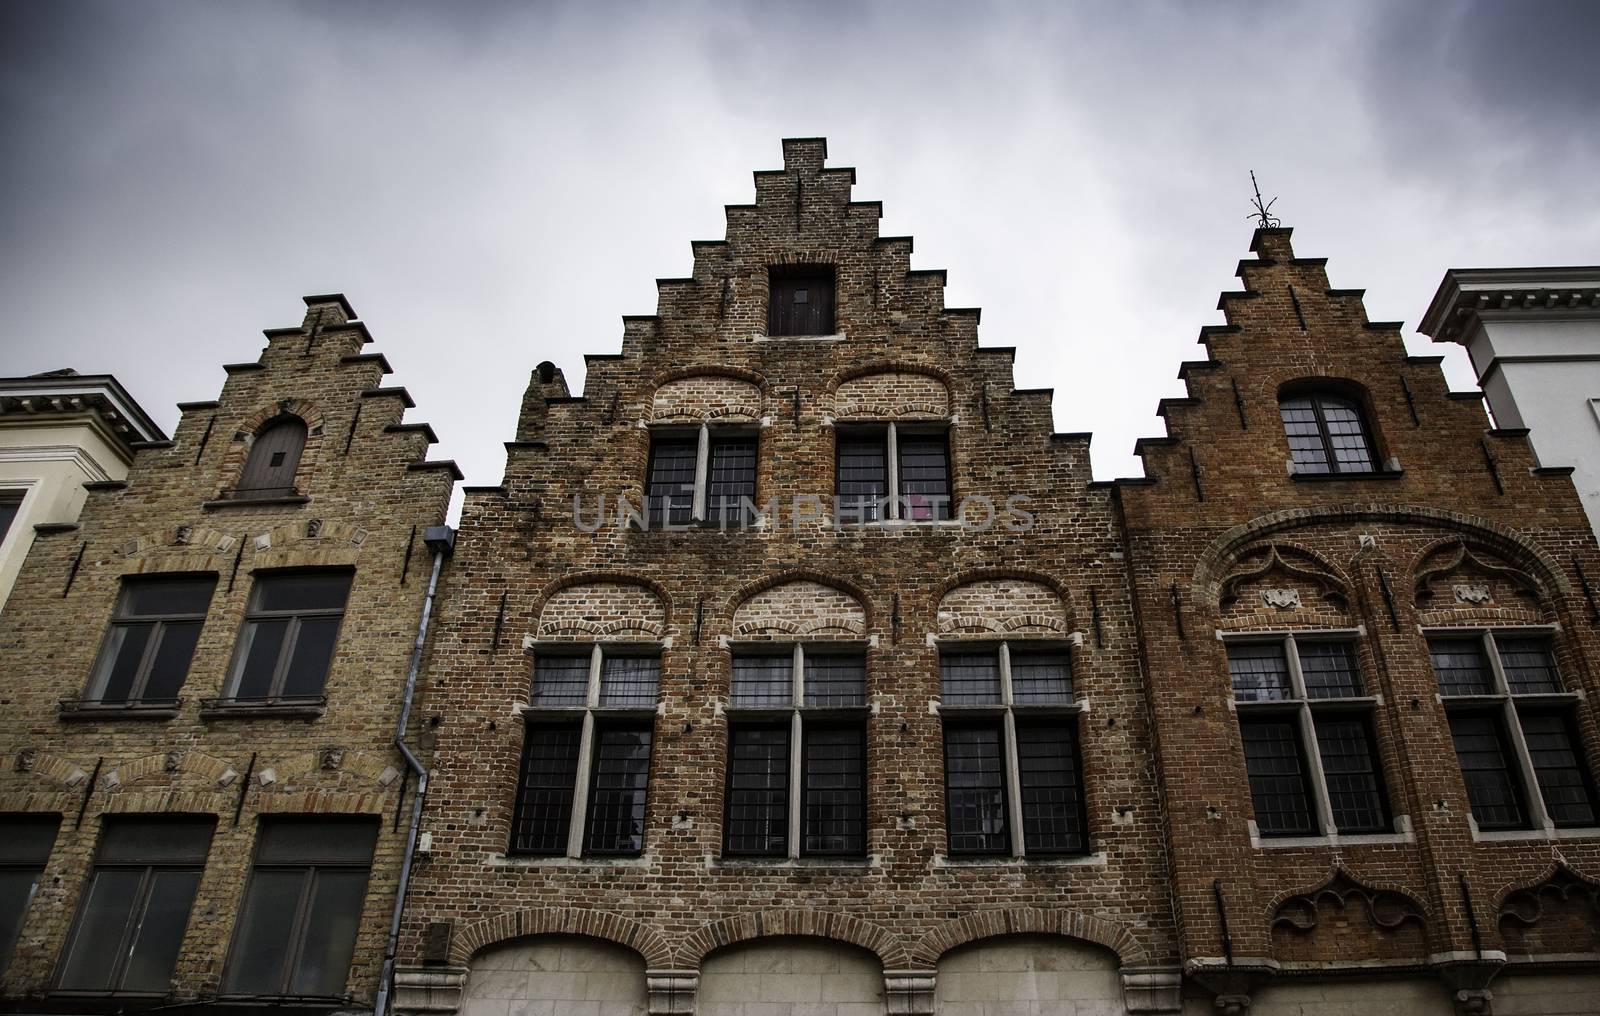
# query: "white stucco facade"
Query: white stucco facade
{"points": [[1533, 335]]}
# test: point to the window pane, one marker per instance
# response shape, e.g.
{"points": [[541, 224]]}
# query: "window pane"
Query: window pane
{"points": [[1552, 745], [975, 790], [1052, 791], [560, 680], [758, 790], [835, 791], [1305, 436], [924, 477], [259, 957], [330, 932], [862, 476], [969, 679], [124, 651], [835, 679], [545, 790], [313, 652], [16, 890], [303, 592], [1259, 670], [1350, 768], [732, 477], [1329, 669], [145, 597], [629, 681], [263, 642], [25, 843], [1492, 789], [98, 935], [317, 841], [1529, 666], [669, 490], [1461, 667], [762, 681], [1041, 678], [1347, 434], [159, 936], [617, 790], [155, 841], [1278, 786], [9, 506], [171, 663]]}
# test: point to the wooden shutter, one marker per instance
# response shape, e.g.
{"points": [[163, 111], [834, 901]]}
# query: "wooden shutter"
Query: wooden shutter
{"points": [[801, 304], [269, 472]]}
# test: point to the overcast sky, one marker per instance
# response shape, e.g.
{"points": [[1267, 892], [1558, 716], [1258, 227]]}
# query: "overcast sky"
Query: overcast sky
{"points": [[495, 184]]}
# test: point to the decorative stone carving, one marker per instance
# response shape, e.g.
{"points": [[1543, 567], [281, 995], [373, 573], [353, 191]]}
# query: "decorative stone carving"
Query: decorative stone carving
{"points": [[183, 535], [908, 992], [173, 762], [331, 758], [27, 759], [1281, 599], [671, 991], [1277, 560], [313, 529], [1474, 593], [429, 990], [1388, 909], [1455, 556], [1152, 989], [1526, 905]]}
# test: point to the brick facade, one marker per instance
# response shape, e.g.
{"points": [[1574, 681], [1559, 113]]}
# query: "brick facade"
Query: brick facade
{"points": [[364, 495]]}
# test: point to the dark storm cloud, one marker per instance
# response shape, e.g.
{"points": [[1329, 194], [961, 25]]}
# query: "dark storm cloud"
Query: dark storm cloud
{"points": [[495, 183]]}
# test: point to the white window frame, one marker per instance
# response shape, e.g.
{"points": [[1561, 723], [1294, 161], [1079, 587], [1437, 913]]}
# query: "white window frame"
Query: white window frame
{"points": [[1007, 709]]}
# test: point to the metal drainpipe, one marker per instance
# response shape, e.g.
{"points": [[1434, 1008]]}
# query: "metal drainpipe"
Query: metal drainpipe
{"points": [[441, 540]]}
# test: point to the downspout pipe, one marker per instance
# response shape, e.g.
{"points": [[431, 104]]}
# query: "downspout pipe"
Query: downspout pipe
{"points": [[441, 540]]}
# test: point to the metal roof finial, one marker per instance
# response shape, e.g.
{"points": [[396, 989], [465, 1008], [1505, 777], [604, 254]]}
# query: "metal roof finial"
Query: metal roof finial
{"points": [[1263, 219]]}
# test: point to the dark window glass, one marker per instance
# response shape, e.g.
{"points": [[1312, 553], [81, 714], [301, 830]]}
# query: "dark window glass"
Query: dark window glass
{"points": [[763, 681], [1529, 667], [974, 776], [628, 681], [800, 303], [834, 805], [274, 456], [297, 927], [617, 785], [669, 491], [10, 504], [1052, 789], [545, 789], [924, 477], [1041, 678], [969, 679], [731, 481], [835, 680], [1259, 670], [560, 680], [147, 651], [1461, 667], [25, 842], [1329, 669], [1484, 754], [135, 906], [1327, 434], [1350, 769], [289, 635], [1563, 780], [1278, 784], [861, 475], [758, 790]]}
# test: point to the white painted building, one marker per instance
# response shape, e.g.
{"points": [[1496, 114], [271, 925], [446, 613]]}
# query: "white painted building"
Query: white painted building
{"points": [[59, 431], [1534, 338]]}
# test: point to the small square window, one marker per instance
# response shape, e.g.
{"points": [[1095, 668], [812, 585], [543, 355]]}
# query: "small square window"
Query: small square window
{"points": [[800, 302]]}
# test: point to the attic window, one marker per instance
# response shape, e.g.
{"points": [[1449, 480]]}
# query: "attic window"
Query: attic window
{"points": [[800, 302]]}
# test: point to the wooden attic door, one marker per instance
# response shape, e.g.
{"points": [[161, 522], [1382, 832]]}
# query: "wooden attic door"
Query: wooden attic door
{"points": [[269, 471]]}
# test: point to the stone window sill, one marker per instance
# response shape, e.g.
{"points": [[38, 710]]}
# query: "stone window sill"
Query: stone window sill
{"points": [[1384, 474], [236, 709], [1518, 835], [1094, 860], [79, 709], [835, 337], [261, 502], [563, 861], [844, 865]]}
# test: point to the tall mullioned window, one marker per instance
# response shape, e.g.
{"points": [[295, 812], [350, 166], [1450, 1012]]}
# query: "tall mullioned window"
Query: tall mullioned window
{"points": [[796, 776], [1328, 433], [147, 650], [25, 843], [1013, 769], [586, 752], [1309, 745], [705, 477], [1514, 727], [289, 635], [911, 460]]}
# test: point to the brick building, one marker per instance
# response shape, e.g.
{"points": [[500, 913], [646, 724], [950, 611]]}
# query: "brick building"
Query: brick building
{"points": [[202, 678]]}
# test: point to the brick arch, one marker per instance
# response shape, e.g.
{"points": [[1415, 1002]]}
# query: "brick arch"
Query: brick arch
{"points": [[1335, 601], [761, 585], [1052, 620], [1555, 866], [709, 370], [595, 577], [740, 400], [983, 924], [962, 578], [828, 924], [239, 449], [888, 367], [310, 412], [1517, 570], [1210, 567], [515, 924], [1332, 878]]}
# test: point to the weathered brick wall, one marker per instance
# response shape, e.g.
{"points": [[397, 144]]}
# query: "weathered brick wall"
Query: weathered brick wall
{"points": [[902, 352], [366, 505], [1220, 536]]}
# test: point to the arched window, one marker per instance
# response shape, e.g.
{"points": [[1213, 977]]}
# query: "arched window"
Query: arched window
{"points": [[269, 471], [1327, 433]]}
